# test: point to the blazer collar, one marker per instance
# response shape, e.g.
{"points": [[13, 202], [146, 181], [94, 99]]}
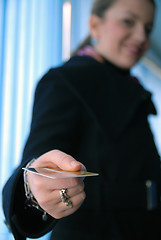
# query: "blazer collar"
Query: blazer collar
{"points": [[121, 101]]}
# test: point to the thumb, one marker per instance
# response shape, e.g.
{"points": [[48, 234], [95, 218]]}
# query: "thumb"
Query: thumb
{"points": [[56, 158]]}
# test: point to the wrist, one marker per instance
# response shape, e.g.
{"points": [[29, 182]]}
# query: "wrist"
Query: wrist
{"points": [[30, 199]]}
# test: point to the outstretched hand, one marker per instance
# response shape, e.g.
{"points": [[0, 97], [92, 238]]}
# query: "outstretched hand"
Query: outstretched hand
{"points": [[47, 191]]}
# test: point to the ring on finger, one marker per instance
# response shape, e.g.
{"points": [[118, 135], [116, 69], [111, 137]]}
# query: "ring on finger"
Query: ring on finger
{"points": [[65, 198]]}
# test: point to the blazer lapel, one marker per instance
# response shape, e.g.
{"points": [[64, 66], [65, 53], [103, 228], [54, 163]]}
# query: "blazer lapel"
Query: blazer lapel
{"points": [[120, 102]]}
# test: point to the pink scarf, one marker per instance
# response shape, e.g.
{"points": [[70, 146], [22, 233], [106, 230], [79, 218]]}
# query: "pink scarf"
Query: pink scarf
{"points": [[90, 51]]}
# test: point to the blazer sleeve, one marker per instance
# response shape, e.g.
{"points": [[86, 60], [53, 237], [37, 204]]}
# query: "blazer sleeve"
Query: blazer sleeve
{"points": [[55, 124]]}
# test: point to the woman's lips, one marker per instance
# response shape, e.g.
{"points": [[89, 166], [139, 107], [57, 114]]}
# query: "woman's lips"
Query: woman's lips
{"points": [[134, 50]]}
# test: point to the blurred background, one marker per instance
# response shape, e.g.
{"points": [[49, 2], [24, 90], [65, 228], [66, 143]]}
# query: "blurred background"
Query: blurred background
{"points": [[36, 35]]}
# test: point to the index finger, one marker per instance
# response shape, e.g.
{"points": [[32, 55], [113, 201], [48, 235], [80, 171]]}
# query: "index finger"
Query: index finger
{"points": [[56, 158]]}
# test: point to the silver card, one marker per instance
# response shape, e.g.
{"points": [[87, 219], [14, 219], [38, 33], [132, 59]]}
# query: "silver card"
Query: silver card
{"points": [[57, 173]]}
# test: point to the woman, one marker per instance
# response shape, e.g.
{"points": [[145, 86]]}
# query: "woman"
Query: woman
{"points": [[91, 113]]}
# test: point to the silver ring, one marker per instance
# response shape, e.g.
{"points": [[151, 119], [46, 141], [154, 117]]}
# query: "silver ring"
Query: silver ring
{"points": [[65, 198]]}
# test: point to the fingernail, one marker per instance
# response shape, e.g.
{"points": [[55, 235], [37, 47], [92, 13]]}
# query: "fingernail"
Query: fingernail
{"points": [[75, 163]]}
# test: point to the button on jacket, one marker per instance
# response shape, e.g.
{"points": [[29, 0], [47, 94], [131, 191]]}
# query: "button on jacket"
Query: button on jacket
{"points": [[98, 114]]}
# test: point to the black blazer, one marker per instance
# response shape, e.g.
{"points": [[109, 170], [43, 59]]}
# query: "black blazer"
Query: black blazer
{"points": [[98, 114]]}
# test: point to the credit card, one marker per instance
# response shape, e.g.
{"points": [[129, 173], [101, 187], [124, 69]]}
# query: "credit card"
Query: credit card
{"points": [[56, 173]]}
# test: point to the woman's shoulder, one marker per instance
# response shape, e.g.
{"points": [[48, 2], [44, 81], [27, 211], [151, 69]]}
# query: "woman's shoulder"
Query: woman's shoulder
{"points": [[81, 72], [77, 70]]}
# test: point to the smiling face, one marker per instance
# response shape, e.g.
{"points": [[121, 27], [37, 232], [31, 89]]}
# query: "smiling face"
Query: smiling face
{"points": [[124, 31]]}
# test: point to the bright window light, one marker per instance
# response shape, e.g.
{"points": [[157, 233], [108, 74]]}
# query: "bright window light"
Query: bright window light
{"points": [[66, 37]]}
